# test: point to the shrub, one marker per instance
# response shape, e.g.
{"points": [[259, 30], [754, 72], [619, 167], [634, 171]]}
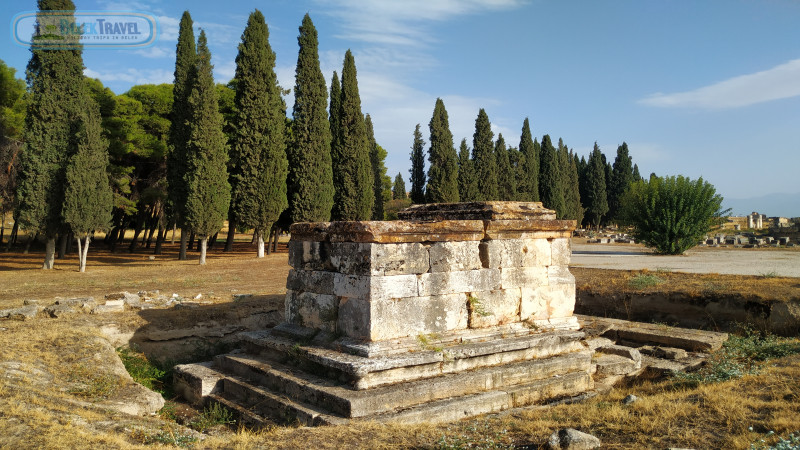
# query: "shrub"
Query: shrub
{"points": [[671, 214]]}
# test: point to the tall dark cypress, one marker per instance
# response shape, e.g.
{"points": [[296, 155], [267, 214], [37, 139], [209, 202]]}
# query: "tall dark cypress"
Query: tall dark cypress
{"points": [[636, 175], [376, 157], [621, 179], [484, 158], [185, 61], [352, 173], [335, 111], [56, 97], [259, 147], [399, 188], [506, 176], [467, 183], [443, 169], [597, 201], [417, 168], [550, 189], [310, 180], [572, 195], [529, 183], [517, 161], [208, 191]]}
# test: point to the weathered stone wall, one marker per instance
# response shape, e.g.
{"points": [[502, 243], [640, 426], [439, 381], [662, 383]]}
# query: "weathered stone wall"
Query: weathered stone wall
{"points": [[467, 270]]}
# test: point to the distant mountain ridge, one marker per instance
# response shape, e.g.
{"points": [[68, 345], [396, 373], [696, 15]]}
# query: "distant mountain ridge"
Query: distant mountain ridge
{"points": [[772, 205]]}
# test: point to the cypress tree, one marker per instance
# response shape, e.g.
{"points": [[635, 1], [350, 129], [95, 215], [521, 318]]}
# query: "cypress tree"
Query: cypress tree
{"points": [[636, 175], [572, 195], [484, 158], [443, 170], [399, 188], [377, 156], [551, 192], [352, 173], [310, 180], [185, 60], [335, 111], [87, 198], [529, 182], [259, 148], [467, 183], [621, 179], [418, 168], [506, 175], [56, 96], [563, 179], [208, 191], [596, 201]]}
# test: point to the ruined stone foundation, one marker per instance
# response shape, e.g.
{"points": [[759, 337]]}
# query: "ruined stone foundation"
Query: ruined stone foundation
{"points": [[455, 310]]}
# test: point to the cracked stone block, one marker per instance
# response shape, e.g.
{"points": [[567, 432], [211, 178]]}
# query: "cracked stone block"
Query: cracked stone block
{"points": [[490, 308], [455, 256], [440, 283]]}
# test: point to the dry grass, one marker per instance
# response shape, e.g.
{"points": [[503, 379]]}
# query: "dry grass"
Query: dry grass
{"points": [[48, 398]]}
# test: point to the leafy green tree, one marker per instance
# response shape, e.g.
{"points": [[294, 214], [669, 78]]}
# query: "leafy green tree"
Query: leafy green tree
{"points": [[260, 141], [529, 182], [551, 191], [507, 177], [596, 198], [352, 173], [209, 193], [484, 158], [443, 169], [467, 181], [671, 214], [417, 168], [310, 167], [621, 179], [88, 199], [377, 156], [57, 94], [180, 126], [399, 188], [12, 125]]}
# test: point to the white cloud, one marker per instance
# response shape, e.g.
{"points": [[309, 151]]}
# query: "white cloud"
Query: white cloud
{"points": [[779, 82], [156, 52], [132, 76]]}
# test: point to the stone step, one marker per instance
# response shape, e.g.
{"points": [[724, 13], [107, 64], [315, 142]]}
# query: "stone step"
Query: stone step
{"points": [[243, 416], [427, 362], [648, 333], [344, 401]]}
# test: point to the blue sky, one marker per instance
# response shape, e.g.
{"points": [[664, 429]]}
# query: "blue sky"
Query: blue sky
{"points": [[696, 88]]}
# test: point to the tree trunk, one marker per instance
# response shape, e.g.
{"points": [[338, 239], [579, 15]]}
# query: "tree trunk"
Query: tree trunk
{"points": [[2, 226], [62, 245], [231, 235], [153, 229], [49, 253], [275, 241], [191, 240], [83, 252], [31, 238], [12, 238], [260, 244], [203, 242], [213, 240], [174, 227], [184, 239], [160, 238], [136, 231]]}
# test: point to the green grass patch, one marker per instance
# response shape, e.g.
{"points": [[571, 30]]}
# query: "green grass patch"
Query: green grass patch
{"points": [[151, 375], [644, 280], [212, 416]]}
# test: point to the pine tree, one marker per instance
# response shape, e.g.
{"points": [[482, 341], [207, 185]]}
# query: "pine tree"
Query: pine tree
{"points": [[209, 193], [443, 169], [484, 158], [596, 201], [417, 168], [310, 180], [529, 183], [352, 173], [56, 97], [377, 156], [467, 183], [87, 198], [259, 148], [550, 187], [506, 176], [185, 67], [621, 179], [399, 188]]}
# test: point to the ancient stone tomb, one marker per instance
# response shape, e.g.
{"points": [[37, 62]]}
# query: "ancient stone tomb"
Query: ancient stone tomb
{"points": [[454, 310]]}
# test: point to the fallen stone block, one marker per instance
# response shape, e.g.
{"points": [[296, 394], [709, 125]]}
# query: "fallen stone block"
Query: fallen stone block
{"points": [[572, 439], [23, 313], [105, 309]]}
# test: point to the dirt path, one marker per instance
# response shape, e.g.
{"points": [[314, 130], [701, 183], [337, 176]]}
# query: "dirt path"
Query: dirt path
{"points": [[774, 262]]}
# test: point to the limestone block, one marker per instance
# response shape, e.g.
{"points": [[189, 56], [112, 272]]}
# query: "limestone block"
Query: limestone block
{"points": [[454, 256], [509, 253], [534, 304], [354, 317], [414, 316], [560, 275], [318, 281], [309, 255], [440, 283], [400, 259], [312, 310], [490, 308], [377, 287], [517, 277], [561, 250], [560, 300]]}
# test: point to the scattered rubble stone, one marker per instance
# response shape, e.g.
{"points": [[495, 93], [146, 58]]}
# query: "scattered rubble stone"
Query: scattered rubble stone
{"points": [[23, 313], [630, 398], [572, 439]]}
